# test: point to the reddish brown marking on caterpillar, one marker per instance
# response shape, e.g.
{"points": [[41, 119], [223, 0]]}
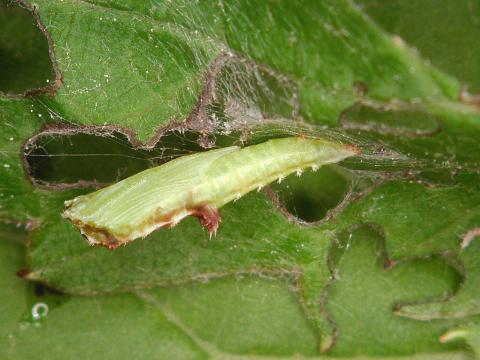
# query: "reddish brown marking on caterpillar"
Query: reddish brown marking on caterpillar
{"points": [[353, 148], [110, 242], [23, 273], [209, 217]]}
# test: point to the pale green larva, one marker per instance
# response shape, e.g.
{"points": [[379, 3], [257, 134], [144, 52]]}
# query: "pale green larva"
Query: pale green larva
{"points": [[197, 184]]}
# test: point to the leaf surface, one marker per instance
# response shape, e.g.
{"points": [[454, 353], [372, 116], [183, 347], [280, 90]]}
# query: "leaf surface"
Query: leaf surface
{"points": [[275, 282]]}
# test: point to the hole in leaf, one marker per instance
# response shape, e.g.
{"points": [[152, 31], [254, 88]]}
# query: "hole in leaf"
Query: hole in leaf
{"points": [[79, 159], [310, 196], [24, 58]]}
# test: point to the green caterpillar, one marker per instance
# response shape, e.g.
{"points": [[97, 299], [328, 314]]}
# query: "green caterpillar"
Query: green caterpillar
{"points": [[197, 185]]}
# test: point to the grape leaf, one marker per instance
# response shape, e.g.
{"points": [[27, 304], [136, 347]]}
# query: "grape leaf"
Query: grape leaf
{"points": [[134, 71]]}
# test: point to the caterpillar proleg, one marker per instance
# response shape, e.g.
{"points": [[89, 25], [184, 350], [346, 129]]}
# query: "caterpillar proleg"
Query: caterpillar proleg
{"points": [[197, 184]]}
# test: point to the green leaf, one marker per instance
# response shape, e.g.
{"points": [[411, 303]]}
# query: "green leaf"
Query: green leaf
{"points": [[453, 48], [277, 281], [166, 322], [367, 286], [149, 61], [65, 324]]}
